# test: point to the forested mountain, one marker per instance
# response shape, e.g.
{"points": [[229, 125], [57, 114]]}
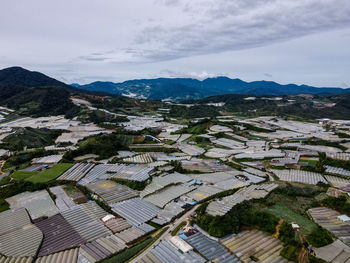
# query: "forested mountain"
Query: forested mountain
{"points": [[21, 77], [34, 93], [186, 88]]}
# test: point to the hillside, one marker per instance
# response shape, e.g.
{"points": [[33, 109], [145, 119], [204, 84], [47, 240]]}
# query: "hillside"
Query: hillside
{"points": [[29, 137], [33, 93], [313, 106], [186, 88], [21, 77], [42, 101]]}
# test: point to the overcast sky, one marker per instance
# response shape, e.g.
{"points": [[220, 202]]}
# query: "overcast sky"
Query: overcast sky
{"points": [[288, 41]]}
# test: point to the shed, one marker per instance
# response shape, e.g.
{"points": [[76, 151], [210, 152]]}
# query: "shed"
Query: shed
{"points": [[181, 244], [344, 218]]}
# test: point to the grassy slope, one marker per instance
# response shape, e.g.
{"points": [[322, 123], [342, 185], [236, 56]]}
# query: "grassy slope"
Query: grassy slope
{"points": [[23, 175], [285, 213], [50, 174]]}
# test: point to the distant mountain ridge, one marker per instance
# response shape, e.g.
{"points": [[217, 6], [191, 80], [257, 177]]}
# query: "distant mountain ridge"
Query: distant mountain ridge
{"points": [[187, 88], [175, 89]]}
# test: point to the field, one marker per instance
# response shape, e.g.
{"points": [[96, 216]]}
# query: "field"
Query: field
{"points": [[50, 174], [288, 215], [23, 175]]}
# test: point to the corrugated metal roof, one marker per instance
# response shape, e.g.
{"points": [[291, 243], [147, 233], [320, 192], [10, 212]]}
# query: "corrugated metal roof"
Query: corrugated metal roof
{"points": [[163, 197], [328, 218], [76, 172], [101, 248], [58, 235], [160, 182], [166, 252], [255, 243], [136, 210], [222, 206], [4, 259], [210, 249], [143, 158], [101, 171], [117, 224], [37, 203], [63, 201], [23, 242], [134, 173], [111, 192], [300, 176], [130, 234], [67, 256], [18, 236], [13, 219], [85, 219]]}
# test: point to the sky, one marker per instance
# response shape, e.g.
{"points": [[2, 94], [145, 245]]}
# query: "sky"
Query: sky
{"points": [[81, 41]]}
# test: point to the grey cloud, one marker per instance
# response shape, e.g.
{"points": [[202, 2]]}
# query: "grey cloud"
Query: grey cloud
{"points": [[241, 24], [94, 58], [178, 74]]}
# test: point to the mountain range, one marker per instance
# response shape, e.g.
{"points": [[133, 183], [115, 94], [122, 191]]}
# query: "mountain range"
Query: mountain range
{"points": [[176, 89], [33, 93]]}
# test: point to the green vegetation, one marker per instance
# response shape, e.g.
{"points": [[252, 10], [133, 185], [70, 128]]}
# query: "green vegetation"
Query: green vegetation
{"points": [[133, 251], [199, 127], [5, 180], [320, 237], [41, 101], [3, 205], [234, 165], [105, 146], [23, 175], [239, 216], [337, 163], [88, 194], [291, 244], [22, 159], [50, 174], [70, 189], [31, 138], [285, 213], [105, 119], [135, 185], [343, 135], [290, 252], [176, 229], [325, 143], [198, 111], [286, 234], [302, 108], [340, 204]]}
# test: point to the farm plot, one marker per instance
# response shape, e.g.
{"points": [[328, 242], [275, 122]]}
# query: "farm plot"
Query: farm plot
{"points": [[50, 174], [23, 175], [288, 215]]}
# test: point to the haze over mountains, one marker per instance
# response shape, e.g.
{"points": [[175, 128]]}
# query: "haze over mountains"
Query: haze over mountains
{"points": [[175, 89]]}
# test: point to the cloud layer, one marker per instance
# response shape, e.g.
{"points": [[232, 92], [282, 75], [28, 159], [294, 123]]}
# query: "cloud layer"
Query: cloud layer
{"points": [[113, 39]]}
